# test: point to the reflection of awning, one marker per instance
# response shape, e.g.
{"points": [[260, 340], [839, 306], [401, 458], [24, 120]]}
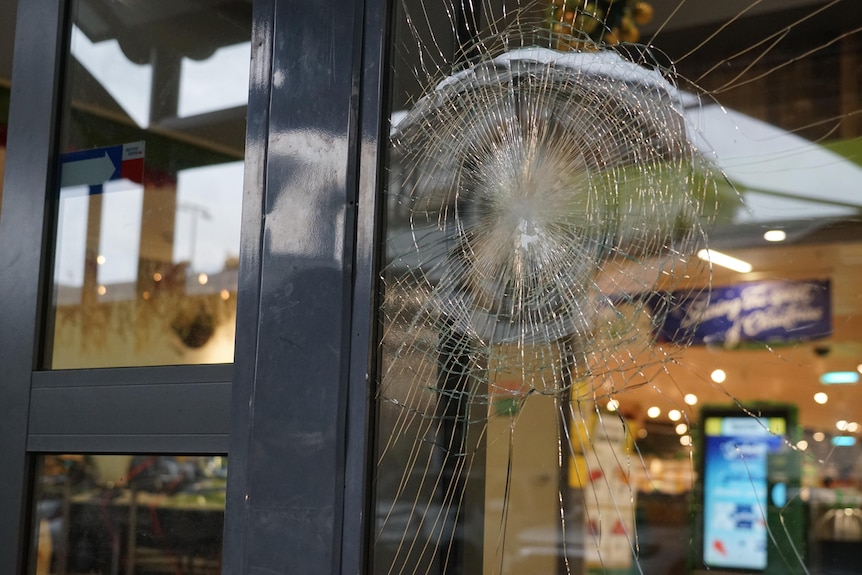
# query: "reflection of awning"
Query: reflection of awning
{"points": [[781, 175]]}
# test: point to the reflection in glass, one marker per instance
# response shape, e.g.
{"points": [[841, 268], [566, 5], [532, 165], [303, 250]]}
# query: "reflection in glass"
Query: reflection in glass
{"points": [[112, 514], [152, 143], [577, 441]]}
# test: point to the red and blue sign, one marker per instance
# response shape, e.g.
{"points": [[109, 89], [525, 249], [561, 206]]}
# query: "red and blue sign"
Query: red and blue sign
{"points": [[94, 168], [758, 312]]}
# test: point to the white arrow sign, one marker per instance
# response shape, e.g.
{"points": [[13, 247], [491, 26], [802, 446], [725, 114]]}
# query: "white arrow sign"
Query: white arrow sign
{"points": [[87, 172]]}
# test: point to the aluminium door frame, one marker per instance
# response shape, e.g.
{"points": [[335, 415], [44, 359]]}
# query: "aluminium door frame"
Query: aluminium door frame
{"points": [[187, 408]]}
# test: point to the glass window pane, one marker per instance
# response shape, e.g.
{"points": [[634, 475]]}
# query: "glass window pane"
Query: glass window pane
{"points": [[152, 142], [620, 290], [111, 514]]}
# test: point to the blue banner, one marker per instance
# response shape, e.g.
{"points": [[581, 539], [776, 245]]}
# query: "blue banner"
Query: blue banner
{"points": [[763, 312]]}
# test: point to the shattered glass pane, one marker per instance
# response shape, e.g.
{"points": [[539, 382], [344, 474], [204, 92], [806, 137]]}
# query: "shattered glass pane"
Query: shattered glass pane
{"points": [[622, 251]]}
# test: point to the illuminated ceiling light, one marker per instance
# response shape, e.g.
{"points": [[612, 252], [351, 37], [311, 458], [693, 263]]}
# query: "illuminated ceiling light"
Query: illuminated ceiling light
{"points": [[674, 414], [100, 259], [101, 290], [719, 259], [839, 377], [821, 397], [775, 236], [852, 427], [613, 405], [819, 436], [642, 433], [685, 440], [859, 368], [718, 376], [225, 294], [690, 399], [801, 445], [681, 429], [145, 295], [203, 279], [654, 411], [157, 277], [841, 424]]}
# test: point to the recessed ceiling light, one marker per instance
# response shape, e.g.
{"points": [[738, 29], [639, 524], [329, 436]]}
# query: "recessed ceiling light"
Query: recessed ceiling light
{"points": [[674, 414], [720, 259], [690, 399], [841, 424], [654, 411], [613, 405], [819, 436], [685, 440], [718, 376], [821, 398], [681, 429], [775, 236], [802, 445]]}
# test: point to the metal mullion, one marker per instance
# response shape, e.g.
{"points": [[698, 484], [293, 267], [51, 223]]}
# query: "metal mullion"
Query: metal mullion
{"points": [[24, 227]]}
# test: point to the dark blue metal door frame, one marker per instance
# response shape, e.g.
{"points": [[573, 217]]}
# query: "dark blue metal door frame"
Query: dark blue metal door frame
{"points": [[301, 391], [297, 496]]}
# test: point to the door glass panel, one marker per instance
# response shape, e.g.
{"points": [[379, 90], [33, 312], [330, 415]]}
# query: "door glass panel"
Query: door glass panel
{"points": [[150, 192], [620, 289], [110, 514]]}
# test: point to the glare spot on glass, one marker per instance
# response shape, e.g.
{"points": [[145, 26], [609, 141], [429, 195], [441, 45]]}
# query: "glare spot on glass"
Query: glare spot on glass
{"points": [[718, 376], [654, 411], [681, 429], [203, 279], [819, 436], [685, 440], [775, 236], [802, 445], [690, 399], [613, 405], [821, 397], [841, 424], [674, 415]]}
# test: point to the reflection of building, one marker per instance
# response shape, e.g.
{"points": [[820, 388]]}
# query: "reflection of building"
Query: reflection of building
{"points": [[294, 302]]}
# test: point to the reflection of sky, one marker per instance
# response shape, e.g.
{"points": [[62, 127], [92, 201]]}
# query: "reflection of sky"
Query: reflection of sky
{"points": [[213, 196], [207, 232], [128, 83], [209, 199], [218, 82], [72, 236]]}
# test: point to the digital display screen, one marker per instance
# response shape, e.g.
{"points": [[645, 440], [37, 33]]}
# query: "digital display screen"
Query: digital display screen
{"points": [[735, 489]]}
